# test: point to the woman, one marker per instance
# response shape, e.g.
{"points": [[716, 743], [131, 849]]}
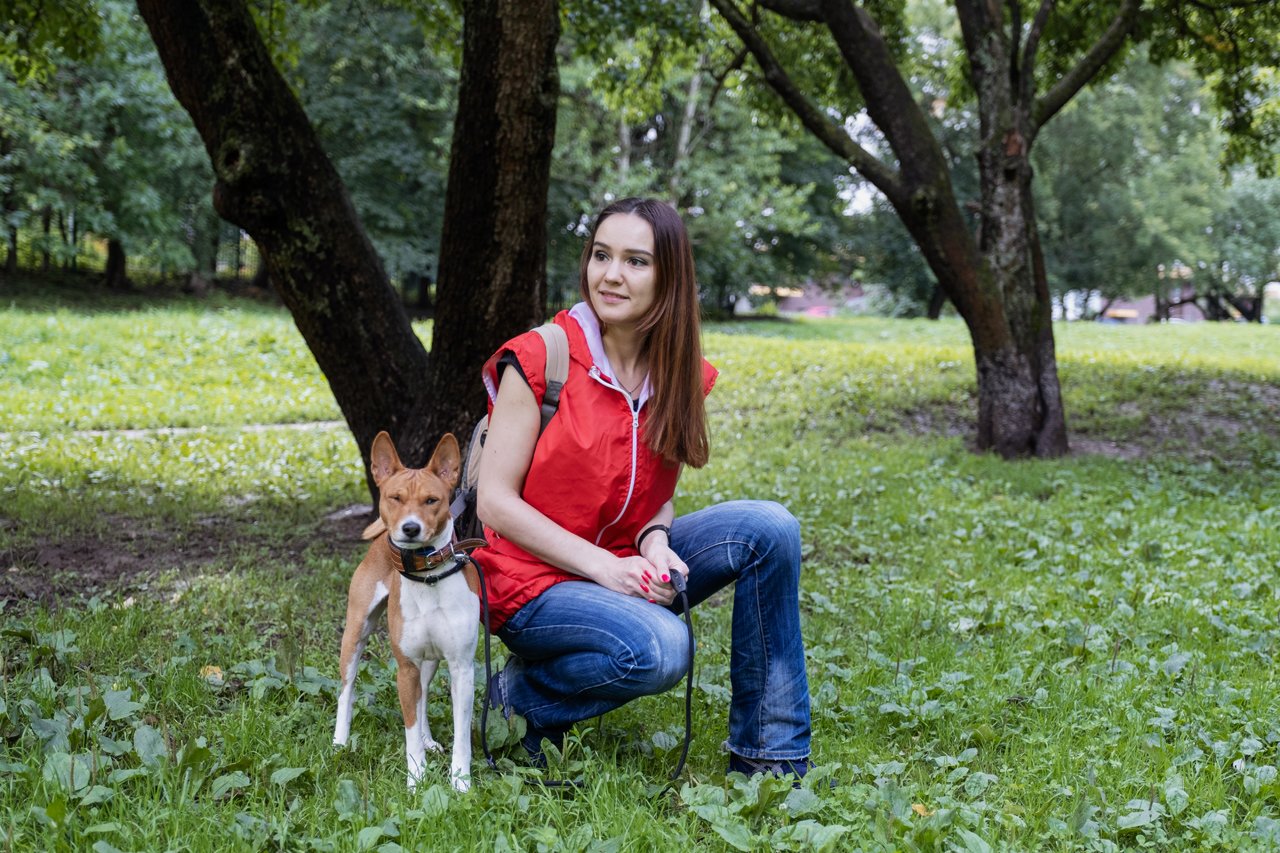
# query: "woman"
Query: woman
{"points": [[583, 537]]}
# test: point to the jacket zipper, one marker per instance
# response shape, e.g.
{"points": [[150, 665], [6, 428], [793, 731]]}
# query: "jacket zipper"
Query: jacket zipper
{"points": [[635, 430]]}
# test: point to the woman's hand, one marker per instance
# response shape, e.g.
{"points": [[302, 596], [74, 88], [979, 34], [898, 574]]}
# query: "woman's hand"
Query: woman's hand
{"points": [[634, 576], [665, 563]]}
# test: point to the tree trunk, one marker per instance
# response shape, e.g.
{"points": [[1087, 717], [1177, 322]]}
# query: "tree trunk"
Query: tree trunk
{"points": [[274, 181], [46, 225], [117, 275], [11, 257], [995, 279], [8, 205], [492, 280], [937, 301]]}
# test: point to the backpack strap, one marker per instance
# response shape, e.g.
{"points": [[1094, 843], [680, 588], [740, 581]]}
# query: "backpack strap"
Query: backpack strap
{"points": [[557, 370]]}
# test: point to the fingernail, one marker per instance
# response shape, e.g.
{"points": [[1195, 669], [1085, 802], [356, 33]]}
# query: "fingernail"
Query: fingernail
{"points": [[647, 577], [651, 601], [644, 588], [666, 578]]}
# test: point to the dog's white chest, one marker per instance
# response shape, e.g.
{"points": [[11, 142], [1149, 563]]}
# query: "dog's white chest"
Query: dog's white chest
{"points": [[440, 620]]}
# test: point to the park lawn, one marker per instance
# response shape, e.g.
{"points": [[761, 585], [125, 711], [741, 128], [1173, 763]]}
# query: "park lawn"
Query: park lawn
{"points": [[1062, 655]]}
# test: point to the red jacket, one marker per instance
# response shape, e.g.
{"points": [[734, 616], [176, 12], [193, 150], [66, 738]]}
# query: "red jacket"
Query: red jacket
{"points": [[592, 472]]}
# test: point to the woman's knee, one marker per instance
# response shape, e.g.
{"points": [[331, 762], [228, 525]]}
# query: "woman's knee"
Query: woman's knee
{"points": [[775, 530], [661, 658]]}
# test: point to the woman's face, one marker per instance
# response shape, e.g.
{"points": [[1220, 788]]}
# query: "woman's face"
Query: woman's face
{"points": [[621, 277]]}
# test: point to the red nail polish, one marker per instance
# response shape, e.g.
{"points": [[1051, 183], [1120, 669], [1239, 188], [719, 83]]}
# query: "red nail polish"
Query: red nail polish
{"points": [[666, 578], [651, 601], [644, 588]]}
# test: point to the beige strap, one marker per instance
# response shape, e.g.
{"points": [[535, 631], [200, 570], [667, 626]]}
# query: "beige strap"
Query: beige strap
{"points": [[557, 352]]}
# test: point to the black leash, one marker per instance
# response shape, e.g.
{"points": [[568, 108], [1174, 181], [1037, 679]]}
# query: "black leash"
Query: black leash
{"points": [[678, 582]]}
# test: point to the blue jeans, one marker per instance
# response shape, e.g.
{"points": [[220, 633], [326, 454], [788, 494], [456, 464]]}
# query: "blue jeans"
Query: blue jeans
{"points": [[584, 650]]}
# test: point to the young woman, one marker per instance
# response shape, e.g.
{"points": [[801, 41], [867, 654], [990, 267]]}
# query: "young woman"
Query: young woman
{"points": [[583, 537]]}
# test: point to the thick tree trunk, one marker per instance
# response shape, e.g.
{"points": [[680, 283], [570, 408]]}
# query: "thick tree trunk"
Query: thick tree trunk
{"points": [[492, 280], [275, 182], [996, 278], [116, 276]]}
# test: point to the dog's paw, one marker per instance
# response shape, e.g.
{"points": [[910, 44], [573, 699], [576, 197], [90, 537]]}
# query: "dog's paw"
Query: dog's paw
{"points": [[431, 745], [461, 782]]}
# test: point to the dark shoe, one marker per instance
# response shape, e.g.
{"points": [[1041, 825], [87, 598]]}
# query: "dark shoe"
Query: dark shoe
{"points": [[533, 737], [774, 766]]}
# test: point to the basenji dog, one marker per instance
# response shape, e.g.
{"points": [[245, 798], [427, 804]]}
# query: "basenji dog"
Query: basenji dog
{"points": [[413, 573]]}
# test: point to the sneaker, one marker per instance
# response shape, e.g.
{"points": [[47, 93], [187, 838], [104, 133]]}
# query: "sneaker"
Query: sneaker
{"points": [[774, 766], [533, 737]]}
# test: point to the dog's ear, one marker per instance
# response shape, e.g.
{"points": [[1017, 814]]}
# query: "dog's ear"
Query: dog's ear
{"points": [[375, 529], [383, 459], [446, 461]]}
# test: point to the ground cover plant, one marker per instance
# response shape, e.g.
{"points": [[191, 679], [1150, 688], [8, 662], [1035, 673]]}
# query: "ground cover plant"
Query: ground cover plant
{"points": [[1054, 655]]}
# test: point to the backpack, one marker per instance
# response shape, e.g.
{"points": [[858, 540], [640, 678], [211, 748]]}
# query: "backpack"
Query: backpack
{"points": [[466, 523]]}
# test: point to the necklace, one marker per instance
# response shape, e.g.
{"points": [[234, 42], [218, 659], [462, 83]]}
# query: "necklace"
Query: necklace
{"points": [[631, 392]]}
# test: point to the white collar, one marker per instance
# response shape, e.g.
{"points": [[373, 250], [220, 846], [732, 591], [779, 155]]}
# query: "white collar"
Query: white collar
{"points": [[590, 325]]}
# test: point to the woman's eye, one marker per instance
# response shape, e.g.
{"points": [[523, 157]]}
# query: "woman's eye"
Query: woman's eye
{"points": [[601, 256], [639, 262]]}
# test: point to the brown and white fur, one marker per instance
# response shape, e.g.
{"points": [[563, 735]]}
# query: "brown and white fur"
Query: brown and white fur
{"points": [[427, 623]]}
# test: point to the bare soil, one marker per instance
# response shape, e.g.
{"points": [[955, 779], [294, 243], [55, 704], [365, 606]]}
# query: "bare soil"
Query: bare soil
{"points": [[128, 554]]}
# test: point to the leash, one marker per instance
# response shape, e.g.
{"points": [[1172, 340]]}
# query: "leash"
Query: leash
{"points": [[678, 582]]}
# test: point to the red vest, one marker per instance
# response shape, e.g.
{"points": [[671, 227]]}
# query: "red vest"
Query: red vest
{"points": [[592, 472]]}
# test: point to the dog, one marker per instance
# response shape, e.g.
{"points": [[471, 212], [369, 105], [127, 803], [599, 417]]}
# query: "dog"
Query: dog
{"points": [[429, 621]]}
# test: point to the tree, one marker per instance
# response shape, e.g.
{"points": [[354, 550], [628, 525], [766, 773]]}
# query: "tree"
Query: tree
{"points": [[99, 141], [644, 114], [992, 270], [1136, 155], [380, 91], [1245, 242], [273, 179]]}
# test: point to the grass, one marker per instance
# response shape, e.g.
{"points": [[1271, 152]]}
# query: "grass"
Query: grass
{"points": [[1075, 654]]}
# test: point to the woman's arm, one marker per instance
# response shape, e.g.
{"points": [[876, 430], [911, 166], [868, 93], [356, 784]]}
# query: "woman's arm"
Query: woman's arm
{"points": [[656, 548], [507, 454]]}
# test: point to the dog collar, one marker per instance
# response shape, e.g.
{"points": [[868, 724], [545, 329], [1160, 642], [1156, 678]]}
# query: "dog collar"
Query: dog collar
{"points": [[407, 562]]}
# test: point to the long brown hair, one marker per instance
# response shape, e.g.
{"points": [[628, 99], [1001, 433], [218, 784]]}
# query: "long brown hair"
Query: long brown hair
{"points": [[677, 425]]}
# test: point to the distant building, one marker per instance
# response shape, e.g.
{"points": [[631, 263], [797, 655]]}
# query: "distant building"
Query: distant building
{"points": [[817, 301]]}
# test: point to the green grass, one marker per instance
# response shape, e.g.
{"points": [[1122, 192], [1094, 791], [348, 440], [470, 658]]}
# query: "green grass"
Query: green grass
{"points": [[1075, 654]]}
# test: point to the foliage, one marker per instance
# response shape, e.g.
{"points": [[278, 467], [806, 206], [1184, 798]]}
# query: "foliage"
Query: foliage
{"points": [[1132, 155], [1064, 655], [100, 146], [759, 202], [34, 32], [381, 95]]}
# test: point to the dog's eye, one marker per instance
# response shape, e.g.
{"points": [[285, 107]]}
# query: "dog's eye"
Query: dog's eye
{"points": [[432, 501], [395, 499]]}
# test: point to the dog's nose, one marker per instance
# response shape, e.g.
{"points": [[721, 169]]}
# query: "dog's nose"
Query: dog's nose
{"points": [[410, 529]]}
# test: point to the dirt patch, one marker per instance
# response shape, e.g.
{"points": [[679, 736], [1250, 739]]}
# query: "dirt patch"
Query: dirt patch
{"points": [[127, 554]]}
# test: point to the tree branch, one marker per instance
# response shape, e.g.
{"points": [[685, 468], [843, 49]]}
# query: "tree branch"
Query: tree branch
{"points": [[807, 10], [796, 10], [828, 133], [1029, 50], [1089, 65]]}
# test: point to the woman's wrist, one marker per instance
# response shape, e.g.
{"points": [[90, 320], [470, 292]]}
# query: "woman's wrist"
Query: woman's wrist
{"points": [[650, 531]]}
